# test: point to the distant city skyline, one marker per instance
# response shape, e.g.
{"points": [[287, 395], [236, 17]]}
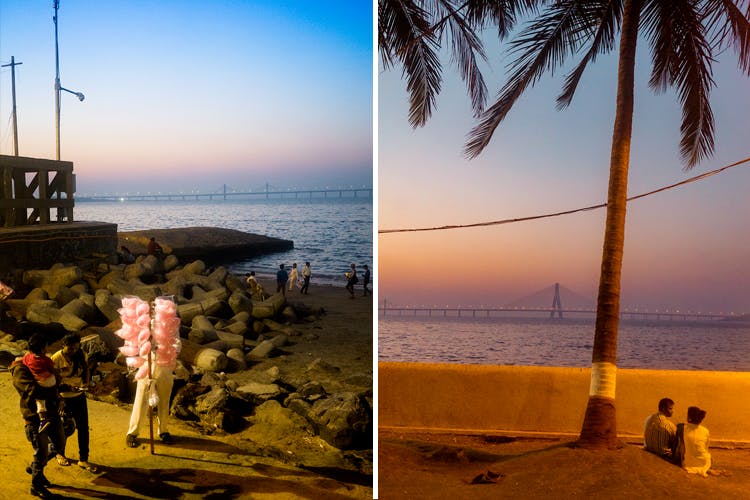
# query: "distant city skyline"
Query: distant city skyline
{"points": [[186, 93]]}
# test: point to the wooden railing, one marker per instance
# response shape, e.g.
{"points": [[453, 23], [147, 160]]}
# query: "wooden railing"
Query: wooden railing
{"points": [[31, 189]]}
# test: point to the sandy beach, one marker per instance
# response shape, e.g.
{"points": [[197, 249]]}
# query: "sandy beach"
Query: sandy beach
{"points": [[220, 465], [418, 465]]}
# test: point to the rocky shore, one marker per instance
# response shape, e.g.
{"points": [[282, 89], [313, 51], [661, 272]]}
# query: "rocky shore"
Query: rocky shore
{"points": [[288, 378]]}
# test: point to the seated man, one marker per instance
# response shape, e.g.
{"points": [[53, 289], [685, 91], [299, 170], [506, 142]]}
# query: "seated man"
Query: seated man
{"points": [[660, 433]]}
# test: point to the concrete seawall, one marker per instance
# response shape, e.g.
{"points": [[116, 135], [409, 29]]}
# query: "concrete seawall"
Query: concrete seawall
{"points": [[552, 400]]}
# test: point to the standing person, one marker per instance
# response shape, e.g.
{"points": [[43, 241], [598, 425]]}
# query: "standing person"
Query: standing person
{"points": [[71, 364], [306, 274], [293, 276], [660, 433], [695, 437], [51, 439], [351, 279], [161, 383], [281, 278], [366, 281]]}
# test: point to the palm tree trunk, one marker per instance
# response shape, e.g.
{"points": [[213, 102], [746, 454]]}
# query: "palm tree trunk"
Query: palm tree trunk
{"points": [[600, 423]]}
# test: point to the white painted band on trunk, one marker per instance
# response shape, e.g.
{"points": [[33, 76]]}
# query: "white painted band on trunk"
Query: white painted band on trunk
{"points": [[603, 380]]}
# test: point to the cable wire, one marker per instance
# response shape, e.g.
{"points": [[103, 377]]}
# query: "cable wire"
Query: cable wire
{"points": [[566, 212]]}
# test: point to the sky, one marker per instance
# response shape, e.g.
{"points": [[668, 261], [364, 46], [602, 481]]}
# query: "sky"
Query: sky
{"points": [[191, 95], [685, 249]]}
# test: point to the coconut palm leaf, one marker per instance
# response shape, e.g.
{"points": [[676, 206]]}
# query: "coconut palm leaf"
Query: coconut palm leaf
{"points": [[406, 35], [606, 17], [730, 24], [543, 46], [682, 58]]}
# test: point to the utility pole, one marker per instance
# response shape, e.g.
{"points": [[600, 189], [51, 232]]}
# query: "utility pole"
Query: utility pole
{"points": [[13, 65]]}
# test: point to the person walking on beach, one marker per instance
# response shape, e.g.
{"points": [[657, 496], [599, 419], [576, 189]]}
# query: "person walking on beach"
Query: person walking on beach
{"points": [[293, 276], [71, 364], [306, 274], [366, 281], [50, 440], [351, 279], [660, 433], [281, 278]]}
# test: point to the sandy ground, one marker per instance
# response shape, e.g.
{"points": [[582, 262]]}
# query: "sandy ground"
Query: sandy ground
{"points": [[199, 466], [415, 465]]}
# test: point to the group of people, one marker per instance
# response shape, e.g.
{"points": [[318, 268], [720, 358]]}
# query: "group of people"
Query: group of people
{"points": [[684, 444], [52, 392], [53, 405], [352, 279], [288, 280]]}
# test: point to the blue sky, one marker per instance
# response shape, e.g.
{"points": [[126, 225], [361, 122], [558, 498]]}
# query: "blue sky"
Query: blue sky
{"points": [[184, 95], [686, 248]]}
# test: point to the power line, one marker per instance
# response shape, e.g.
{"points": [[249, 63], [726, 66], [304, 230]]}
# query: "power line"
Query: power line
{"points": [[566, 212]]}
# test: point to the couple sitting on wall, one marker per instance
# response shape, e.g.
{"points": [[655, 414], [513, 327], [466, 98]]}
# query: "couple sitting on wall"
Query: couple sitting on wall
{"points": [[685, 445]]}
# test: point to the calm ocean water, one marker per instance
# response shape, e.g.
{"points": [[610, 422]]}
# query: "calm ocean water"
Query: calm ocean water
{"points": [[330, 233], [675, 345]]}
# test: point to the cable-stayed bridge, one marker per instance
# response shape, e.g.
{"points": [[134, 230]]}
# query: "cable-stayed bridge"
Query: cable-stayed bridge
{"points": [[225, 192], [557, 301]]}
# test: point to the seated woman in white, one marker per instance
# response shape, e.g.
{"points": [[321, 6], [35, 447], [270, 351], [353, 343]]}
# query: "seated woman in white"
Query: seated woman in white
{"points": [[696, 458]]}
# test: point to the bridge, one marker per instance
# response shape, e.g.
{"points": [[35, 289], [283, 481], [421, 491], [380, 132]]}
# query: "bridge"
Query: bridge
{"points": [[226, 193], [579, 306]]}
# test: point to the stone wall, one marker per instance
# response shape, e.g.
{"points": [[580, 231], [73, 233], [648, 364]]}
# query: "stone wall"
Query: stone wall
{"points": [[41, 246], [552, 400]]}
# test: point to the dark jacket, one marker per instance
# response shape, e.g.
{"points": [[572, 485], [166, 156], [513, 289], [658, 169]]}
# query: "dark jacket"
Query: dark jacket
{"points": [[29, 390]]}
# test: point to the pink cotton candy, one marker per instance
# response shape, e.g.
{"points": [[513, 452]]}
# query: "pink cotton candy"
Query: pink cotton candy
{"points": [[143, 335], [145, 348], [142, 372], [129, 350], [134, 361]]}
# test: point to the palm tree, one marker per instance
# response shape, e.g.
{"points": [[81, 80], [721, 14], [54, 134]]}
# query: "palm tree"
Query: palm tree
{"points": [[684, 36]]}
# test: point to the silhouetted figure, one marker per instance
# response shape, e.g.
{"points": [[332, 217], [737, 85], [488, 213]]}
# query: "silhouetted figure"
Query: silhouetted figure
{"points": [[351, 279], [154, 248], [281, 278], [366, 281]]}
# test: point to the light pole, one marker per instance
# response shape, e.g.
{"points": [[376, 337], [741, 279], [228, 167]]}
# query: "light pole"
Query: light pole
{"points": [[58, 87]]}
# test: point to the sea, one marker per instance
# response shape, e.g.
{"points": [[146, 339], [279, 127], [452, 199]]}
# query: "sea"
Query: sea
{"points": [[330, 233], [663, 345]]}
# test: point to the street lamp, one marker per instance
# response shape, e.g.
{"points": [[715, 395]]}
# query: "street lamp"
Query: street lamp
{"points": [[58, 87]]}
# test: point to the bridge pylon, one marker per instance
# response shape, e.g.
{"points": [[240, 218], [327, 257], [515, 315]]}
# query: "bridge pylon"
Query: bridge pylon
{"points": [[556, 303]]}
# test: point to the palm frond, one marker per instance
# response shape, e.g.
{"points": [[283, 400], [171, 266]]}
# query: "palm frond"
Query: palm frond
{"points": [[503, 14], [542, 46], [685, 60], [605, 21], [465, 48], [730, 26], [406, 36]]}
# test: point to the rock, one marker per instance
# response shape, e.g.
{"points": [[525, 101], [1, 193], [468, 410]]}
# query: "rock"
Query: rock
{"points": [[258, 393], [53, 278], [211, 360], [46, 312], [320, 366], [236, 359], [269, 307], [343, 420], [108, 304], [239, 302], [262, 350]]}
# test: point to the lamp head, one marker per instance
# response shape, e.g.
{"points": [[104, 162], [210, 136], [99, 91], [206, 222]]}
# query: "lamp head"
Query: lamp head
{"points": [[80, 96]]}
